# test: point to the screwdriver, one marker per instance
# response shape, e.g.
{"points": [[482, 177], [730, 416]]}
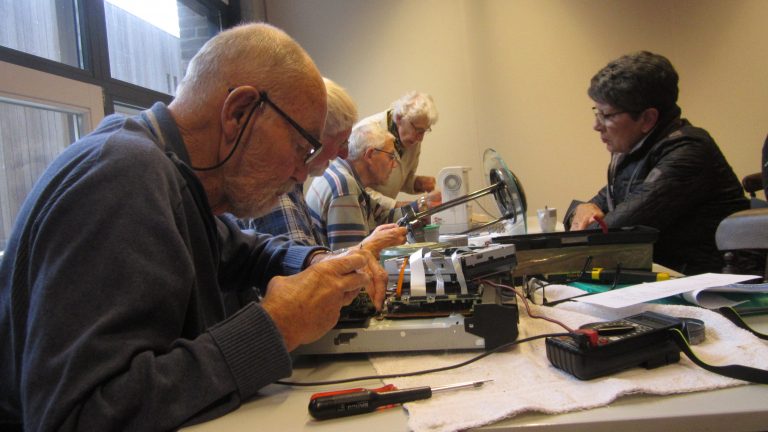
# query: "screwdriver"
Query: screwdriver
{"points": [[344, 403], [600, 275]]}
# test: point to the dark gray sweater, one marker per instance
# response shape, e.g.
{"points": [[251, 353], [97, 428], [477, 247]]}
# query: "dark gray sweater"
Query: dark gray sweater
{"points": [[111, 314]]}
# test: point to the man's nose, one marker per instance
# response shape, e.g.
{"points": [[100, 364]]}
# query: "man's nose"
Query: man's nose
{"points": [[300, 172]]}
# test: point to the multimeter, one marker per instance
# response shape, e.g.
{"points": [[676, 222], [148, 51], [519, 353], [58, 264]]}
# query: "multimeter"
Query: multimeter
{"points": [[603, 348]]}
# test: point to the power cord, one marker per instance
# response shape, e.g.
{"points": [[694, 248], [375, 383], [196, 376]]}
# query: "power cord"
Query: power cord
{"points": [[423, 371]]}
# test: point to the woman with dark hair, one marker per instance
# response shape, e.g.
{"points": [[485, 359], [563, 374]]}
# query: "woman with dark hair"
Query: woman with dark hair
{"points": [[664, 172]]}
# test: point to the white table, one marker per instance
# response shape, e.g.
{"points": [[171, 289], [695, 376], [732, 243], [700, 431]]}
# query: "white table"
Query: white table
{"points": [[281, 408]]}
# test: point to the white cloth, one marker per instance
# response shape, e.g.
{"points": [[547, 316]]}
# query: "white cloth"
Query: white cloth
{"points": [[524, 380]]}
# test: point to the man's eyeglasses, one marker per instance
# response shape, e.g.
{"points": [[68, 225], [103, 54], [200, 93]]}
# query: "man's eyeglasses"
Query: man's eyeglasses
{"points": [[393, 156], [603, 117], [310, 155], [420, 131], [315, 144]]}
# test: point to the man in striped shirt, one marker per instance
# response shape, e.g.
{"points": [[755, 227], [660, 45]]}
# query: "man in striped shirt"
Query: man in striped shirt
{"points": [[291, 216], [339, 205]]}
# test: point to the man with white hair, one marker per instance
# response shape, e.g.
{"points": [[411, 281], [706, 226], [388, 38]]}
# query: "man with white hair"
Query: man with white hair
{"points": [[340, 206], [409, 119], [111, 312], [291, 216]]}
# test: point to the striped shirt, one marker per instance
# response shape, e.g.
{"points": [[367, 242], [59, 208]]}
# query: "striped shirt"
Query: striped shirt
{"points": [[341, 208]]}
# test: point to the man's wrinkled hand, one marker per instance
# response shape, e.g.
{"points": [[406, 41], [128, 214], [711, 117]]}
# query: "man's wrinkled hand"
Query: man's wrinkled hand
{"points": [[382, 237], [306, 305], [424, 184]]}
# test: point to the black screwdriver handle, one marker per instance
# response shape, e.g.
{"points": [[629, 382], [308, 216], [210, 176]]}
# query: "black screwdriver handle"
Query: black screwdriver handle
{"points": [[363, 401]]}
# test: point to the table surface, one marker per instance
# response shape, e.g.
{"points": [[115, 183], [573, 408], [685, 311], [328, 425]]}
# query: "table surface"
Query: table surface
{"points": [[278, 407], [285, 408]]}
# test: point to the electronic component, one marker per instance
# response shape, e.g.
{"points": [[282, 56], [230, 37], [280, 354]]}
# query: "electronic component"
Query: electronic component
{"points": [[604, 348], [436, 300]]}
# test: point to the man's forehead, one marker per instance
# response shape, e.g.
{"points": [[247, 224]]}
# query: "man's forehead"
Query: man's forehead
{"points": [[389, 144]]}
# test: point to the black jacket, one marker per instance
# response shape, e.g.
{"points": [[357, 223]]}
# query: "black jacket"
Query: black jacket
{"points": [[678, 182]]}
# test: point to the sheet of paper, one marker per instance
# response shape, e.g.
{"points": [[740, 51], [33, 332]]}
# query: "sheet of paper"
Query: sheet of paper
{"points": [[418, 277], [710, 299], [642, 293]]}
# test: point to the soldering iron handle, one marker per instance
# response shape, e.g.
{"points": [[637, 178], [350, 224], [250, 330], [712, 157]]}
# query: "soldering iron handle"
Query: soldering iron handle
{"points": [[363, 401]]}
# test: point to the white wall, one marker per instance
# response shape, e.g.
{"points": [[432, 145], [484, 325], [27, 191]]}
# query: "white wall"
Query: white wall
{"points": [[512, 74]]}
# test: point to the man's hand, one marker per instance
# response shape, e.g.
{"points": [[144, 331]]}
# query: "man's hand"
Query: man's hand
{"points": [[423, 184], [382, 237], [434, 199], [584, 216], [306, 305]]}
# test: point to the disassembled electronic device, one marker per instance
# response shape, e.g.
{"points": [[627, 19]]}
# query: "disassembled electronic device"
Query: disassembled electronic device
{"points": [[605, 348], [436, 300]]}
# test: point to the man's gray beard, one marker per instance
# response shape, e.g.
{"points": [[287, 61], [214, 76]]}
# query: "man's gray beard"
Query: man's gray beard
{"points": [[253, 210]]}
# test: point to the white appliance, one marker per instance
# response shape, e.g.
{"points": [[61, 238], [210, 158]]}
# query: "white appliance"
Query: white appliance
{"points": [[453, 183]]}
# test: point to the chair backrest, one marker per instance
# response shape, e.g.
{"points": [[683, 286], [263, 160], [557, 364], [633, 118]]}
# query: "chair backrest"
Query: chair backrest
{"points": [[758, 182]]}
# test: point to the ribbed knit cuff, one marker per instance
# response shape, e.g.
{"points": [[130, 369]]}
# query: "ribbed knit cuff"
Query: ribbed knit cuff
{"points": [[295, 259], [253, 349]]}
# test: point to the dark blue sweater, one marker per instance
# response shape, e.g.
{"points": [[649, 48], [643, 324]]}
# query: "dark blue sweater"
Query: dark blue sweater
{"points": [[111, 313]]}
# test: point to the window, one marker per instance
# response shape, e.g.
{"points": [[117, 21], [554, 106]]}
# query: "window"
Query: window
{"points": [[67, 63], [40, 114], [46, 131], [44, 28], [151, 41]]}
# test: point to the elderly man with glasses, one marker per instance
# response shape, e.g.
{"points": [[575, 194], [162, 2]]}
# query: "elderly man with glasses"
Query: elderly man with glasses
{"points": [[664, 172], [409, 119], [291, 216], [340, 206], [111, 312]]}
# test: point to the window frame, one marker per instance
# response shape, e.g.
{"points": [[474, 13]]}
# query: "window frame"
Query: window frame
{"points": [[95, 55]]}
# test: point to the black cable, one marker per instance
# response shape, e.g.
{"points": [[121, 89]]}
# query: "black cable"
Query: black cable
{"points": [[424, 371], [733, 316], [739, 372], [237, 143]]}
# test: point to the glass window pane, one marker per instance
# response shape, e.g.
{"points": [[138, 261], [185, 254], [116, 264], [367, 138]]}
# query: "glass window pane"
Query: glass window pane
{"points": [[45, 28], [31, 136], [151, 41], [127, 110]]}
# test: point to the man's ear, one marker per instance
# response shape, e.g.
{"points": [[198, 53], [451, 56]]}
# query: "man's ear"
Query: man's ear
{"points": [[237, 106], [649, 117]]}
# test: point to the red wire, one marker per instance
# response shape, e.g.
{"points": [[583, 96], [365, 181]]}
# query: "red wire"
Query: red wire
{"points": [[527, 308]]}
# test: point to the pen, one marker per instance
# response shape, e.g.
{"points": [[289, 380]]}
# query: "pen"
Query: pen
{"points": [[344, 403]]}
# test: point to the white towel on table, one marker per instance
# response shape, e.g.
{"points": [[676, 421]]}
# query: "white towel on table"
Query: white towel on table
{"points": [[524, 380]]}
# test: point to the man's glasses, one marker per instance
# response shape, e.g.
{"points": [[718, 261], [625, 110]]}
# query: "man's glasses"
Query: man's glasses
{"points": [[603, 117], [393, 156], [315, 144], [420, 131], [310, 155]]}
